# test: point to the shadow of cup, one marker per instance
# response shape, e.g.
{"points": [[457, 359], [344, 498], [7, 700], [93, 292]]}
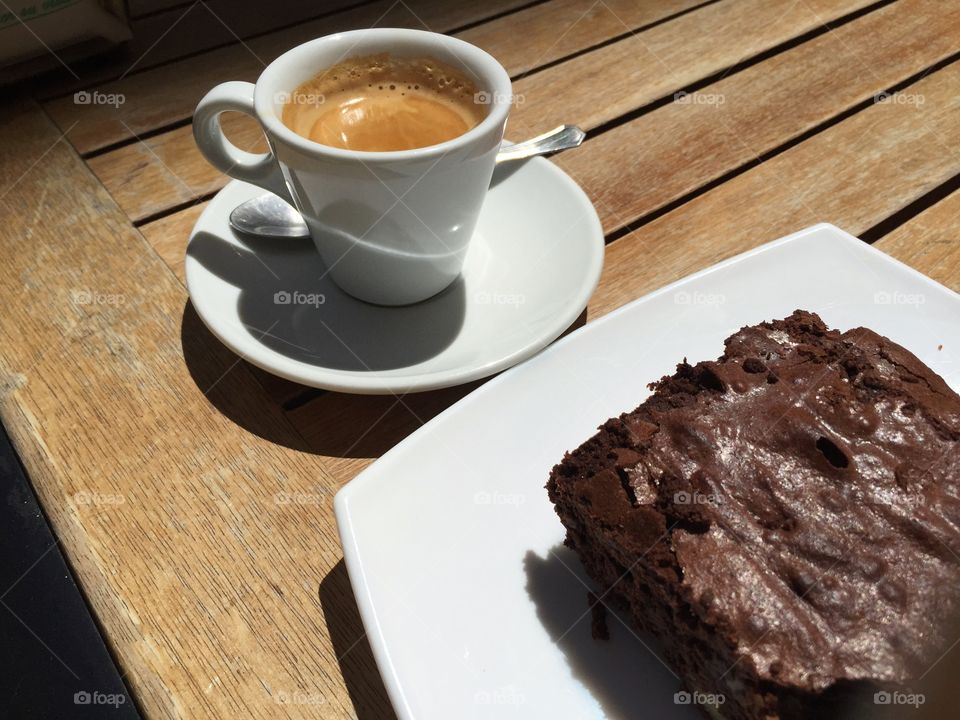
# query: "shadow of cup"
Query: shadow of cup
{"points": [[288, 302]]}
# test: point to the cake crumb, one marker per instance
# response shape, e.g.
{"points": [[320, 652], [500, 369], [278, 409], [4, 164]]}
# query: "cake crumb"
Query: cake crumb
{"points": [[598, 618]]}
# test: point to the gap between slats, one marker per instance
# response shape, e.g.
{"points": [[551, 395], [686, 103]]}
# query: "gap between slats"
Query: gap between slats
{"points": [[167, 127], [774, 152]]}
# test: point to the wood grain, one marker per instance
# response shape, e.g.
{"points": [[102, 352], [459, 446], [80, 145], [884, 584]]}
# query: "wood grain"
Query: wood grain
{"points": [[854, 175], [169, 236], [216, 592], [599, 86], [930, 242], [544, 33], [168, 94], [638, 168], [165, 171]]}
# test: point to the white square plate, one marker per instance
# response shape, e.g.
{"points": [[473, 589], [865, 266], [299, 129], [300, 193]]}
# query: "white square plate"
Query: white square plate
{"points": [[472, 606]]}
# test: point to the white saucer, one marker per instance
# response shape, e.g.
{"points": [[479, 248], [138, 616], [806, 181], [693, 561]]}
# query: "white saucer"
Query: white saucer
{"points": [[531, 268]]}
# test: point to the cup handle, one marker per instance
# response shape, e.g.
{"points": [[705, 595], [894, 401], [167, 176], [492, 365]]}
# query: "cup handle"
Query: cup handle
{"points": [[260, 169]]}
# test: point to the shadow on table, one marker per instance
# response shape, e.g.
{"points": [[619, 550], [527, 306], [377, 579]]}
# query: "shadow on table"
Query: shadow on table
{"points": [[327, 423], [299, 417], [365, 426], [219, 375], [359, 669], [622, 673]]}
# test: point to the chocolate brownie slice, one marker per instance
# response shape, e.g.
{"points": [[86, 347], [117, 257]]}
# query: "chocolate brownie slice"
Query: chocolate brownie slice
{"points": [[785, 519]]}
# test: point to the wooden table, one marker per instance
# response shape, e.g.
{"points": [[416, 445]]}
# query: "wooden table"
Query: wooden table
{"points": [[712, 127]]}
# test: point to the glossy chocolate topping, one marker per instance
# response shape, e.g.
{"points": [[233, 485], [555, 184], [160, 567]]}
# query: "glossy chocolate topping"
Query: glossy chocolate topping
{"points": [[809, 481]]}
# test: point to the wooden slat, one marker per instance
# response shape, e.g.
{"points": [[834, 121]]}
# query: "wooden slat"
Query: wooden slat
{"points": [[177, 32], [169, 236], [599, 86], [205, 583], [162, 172], [545, 33], [854, 175], [930, 242], [169, 93], [180, 31], [165, 171], [638, 168]]}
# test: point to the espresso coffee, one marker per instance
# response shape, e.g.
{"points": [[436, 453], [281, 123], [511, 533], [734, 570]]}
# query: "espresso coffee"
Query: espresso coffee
{"points": [[378, 103]]}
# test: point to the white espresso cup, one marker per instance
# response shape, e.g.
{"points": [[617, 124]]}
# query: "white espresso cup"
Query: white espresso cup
{"points": [[391, 227]]}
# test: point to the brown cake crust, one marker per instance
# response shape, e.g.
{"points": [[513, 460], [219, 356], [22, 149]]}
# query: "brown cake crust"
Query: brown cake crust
{"points": [[786, 519]]}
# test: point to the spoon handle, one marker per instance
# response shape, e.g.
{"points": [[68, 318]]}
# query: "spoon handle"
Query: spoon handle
{"points": [[560, 138]]}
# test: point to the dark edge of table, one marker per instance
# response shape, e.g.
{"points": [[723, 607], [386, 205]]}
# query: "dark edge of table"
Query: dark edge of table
{"points": [[53, 660]]}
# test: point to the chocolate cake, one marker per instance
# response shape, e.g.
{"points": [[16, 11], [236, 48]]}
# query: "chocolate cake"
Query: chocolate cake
{"points": [[785, 520]]}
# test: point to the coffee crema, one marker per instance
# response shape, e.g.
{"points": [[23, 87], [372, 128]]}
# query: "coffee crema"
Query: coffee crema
{"points": [[380, 103]]}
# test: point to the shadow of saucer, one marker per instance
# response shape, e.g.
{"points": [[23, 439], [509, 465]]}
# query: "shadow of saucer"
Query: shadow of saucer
{"points": [[392, 417], [624, 674], [367, 426], [288, 303], [217, 372], [338, 424], [357, 665]]}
